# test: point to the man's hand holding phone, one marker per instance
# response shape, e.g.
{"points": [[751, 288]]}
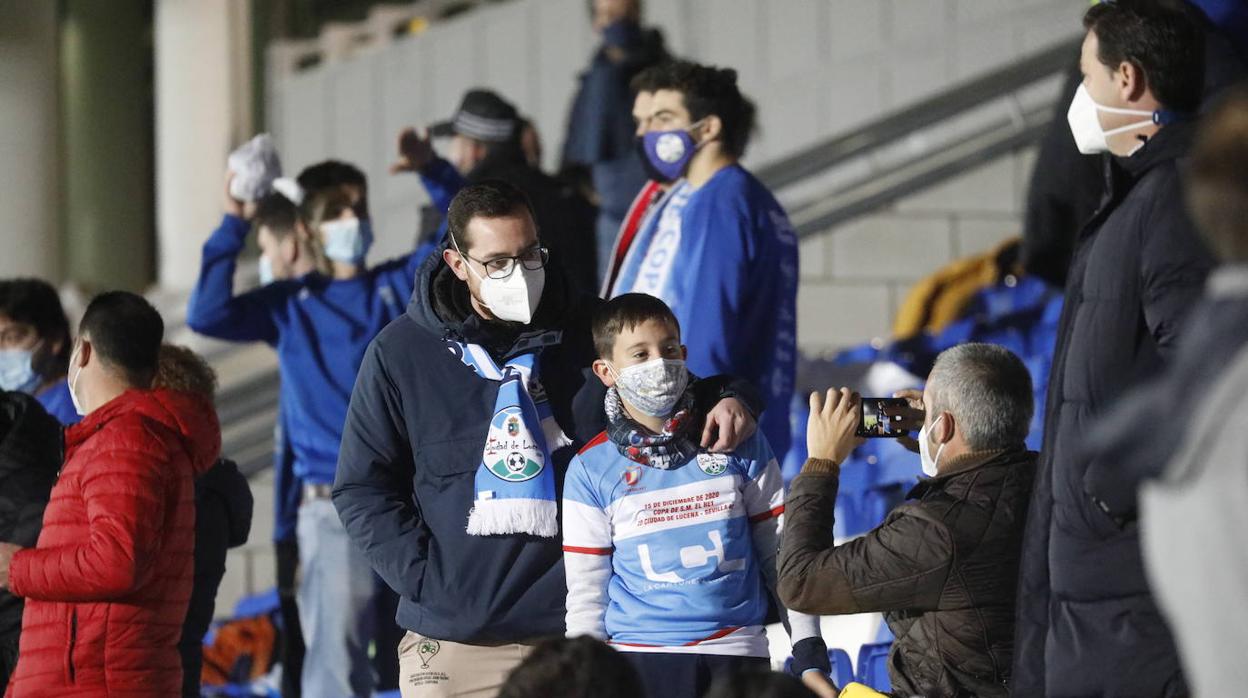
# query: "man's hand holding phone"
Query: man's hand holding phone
{"points": [[912, 416], [833, 425]]}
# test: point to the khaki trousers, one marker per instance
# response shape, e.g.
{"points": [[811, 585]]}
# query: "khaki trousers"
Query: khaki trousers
{"points": [[430, 668]]}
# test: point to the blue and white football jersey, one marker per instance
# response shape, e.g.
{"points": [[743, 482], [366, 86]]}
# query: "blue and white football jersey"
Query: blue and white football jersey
{"points": [[683, 572]]}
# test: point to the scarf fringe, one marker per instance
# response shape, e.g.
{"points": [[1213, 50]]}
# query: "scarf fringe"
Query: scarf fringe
{"points": [[493, 517]]}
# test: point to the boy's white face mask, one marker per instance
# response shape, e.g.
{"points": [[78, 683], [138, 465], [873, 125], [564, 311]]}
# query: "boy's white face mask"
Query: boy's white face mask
{"points": [[653, 387]]}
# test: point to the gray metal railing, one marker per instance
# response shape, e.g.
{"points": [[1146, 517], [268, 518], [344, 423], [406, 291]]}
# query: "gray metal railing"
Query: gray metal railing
{"points": [[887, 179]]}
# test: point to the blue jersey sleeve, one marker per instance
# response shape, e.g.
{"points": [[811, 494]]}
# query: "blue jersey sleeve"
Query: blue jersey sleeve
{"points": [[442, 182], [213, 309]]}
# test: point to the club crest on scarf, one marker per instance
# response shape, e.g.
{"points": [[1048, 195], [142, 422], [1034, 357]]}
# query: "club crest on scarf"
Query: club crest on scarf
{"points": [[511, 453], [514, 491]]}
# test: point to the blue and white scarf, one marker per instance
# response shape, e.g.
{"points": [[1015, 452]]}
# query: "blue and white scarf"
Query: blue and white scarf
{"points": [[515, 485]]}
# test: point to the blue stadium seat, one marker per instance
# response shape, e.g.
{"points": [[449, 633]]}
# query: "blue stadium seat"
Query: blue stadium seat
{"points": [[873, 666], [791, 462], [842, 667]]}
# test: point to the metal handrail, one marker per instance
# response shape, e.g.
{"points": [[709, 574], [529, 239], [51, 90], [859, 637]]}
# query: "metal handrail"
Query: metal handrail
{"points": [[888, 129]]}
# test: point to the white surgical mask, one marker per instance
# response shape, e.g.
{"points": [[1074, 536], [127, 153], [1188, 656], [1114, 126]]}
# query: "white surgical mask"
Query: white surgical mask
{"points": [[653, 388], [925, 450], [17, 372], [347, 239], [266, 270], [1086, 127], [73, 383]]}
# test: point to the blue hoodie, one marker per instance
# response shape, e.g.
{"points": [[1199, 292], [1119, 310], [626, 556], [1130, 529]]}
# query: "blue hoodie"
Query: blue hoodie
{"points": [[320, 328]]}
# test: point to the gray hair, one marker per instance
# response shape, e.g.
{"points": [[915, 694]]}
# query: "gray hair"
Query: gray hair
{"points": [[987, 389]]}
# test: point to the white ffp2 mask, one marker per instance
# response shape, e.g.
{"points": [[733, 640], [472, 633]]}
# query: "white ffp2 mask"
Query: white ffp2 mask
{"points": [[1086, 127]]}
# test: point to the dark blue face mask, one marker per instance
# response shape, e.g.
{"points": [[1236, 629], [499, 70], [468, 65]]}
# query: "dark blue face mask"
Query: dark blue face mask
{"points": [[666, 154]]}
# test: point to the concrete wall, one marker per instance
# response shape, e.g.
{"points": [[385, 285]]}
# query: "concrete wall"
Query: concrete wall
{"points": [[30, 201], [815, 68], [855, 276]]}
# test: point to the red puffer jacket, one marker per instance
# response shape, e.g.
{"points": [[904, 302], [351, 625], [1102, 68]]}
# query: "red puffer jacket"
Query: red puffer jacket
{"points": [[107, 585]]}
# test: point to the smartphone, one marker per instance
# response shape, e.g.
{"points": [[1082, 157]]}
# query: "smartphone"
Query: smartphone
{"points": [[880, 417]]}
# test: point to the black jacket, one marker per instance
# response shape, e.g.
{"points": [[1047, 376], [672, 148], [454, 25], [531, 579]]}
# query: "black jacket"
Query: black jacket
{"points": [[31, 450], [1087, 624], [412, 444], [1147, 427], [223, 507], [1066, 185], [942, 568], [565, 220]]}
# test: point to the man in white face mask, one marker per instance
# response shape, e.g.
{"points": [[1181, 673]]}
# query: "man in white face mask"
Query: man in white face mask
{"points": [[942, 567], [1087, 623]]}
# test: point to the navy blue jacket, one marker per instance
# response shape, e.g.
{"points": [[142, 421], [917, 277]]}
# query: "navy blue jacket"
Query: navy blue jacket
{"points": [[1087, 624], [412, 444]]}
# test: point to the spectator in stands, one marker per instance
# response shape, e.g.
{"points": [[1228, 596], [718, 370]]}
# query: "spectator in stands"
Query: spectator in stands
{"points": [[35, 344], [718, 249], [1183, 430], [599, 132], [107, 585], [1087, 623], [651, 192], [680, 620], [485, 143], [286, 252], [942, 567], [320, 323], [493, 343], [30, 456], [579, 667], [1066, 186], [223, 508]]}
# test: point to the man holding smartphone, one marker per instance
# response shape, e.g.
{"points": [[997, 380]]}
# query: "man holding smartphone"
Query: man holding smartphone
{"points": [[943, 566]]}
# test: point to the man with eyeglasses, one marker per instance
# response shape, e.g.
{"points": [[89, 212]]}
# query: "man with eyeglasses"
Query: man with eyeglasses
{"points": [[465, 415]]}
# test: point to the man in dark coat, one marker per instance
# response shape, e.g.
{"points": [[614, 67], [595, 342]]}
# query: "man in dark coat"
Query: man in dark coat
{"points": [[600, 132], [1087, 624], [1066, 186], [30, 456], [943, 566]]}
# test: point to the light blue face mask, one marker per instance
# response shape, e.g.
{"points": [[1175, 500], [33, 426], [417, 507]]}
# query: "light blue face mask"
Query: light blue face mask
{"points": [[266, 270], [347, 239], [17, 371]]}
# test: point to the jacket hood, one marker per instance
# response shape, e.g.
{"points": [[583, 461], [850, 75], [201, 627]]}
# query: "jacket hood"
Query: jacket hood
{"points": [[229, 485], [29, 436], [191, 417]]}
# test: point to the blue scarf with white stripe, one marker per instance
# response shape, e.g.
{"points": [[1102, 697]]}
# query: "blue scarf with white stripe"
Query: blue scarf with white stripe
{"points": [[515, 481]]}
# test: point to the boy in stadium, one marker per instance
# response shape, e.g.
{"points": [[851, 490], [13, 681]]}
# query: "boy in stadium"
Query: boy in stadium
{"points": [[670, 551]]}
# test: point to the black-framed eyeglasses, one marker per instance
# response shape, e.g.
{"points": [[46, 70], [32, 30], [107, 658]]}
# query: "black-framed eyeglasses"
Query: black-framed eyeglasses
{"points": [[502, 267]]}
